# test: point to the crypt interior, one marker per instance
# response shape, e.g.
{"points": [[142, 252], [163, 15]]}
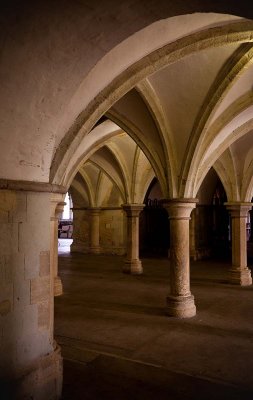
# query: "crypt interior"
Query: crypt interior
{"points": [[138, 115]]}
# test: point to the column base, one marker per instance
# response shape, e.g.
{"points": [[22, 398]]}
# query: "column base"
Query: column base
{"points": [[181, 306], [79, 248], [58, 290], [94, 250], [240, 276], [133, 267], [42, 380]]}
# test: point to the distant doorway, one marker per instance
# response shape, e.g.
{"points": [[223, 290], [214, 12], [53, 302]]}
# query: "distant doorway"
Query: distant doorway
{"points": [[154, 224]]}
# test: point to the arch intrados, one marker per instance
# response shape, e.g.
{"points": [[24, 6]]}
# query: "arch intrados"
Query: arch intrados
{"points": [[110, 178], [220, 178], [135, 136], [198, 160], [236, 32], [249, 191], [226, 185], [82, 190], [233, 137], [86, 154], [147, 185], [95, 146]]}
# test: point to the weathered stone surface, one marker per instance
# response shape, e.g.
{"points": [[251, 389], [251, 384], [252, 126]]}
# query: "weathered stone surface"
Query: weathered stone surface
{"points": [[94, 216], [32, 265], [44, 315], [81, 229], [239, 273], [4, 215], [6, 269], [5, 307], [133, 264], [9, 238], [21, 293], [44, 263], [40, 289], [180, 302], [19, 212], [58, 288], [42, 379], [8, 200]]}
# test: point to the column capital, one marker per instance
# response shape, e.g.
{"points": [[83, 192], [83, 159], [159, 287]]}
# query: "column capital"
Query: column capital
{"points": [[238, 209], [55, 199], [132, 209], [59, 209], [179, 208], [94, 210]]}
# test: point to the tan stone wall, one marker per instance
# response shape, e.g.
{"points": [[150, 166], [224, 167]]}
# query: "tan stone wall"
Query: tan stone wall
{"points": [[112, 232], [81, 231]]}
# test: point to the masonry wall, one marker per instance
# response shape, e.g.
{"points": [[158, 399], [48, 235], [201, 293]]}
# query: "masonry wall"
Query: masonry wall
{"points": [[113, 232], [81, 231]]}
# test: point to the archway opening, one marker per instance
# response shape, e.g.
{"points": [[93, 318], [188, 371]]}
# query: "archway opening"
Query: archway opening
{"points": [[65, 225], [210, 224], [154, 224]]}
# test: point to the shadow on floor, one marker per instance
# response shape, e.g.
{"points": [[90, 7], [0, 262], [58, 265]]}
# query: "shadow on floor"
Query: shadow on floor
{"points": [[116, 379]]}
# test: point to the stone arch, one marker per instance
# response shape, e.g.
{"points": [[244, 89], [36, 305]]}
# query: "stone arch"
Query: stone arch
{"points": [[122, 82]]}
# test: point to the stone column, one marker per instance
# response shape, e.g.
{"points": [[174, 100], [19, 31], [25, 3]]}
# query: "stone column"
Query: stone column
{"points": [[133, 263], [30, 360], [94, 214], [180, 302], [193, 249], [239, 273], [251, 226], [57, 206]]}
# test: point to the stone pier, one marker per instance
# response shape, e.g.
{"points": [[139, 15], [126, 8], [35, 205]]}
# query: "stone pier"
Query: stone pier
{"points": [[180, 302]]}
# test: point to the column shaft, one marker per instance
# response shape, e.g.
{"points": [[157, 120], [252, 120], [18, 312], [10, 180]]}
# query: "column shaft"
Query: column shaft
{"points": [[57, 206], [94, 230], [193, 249], [133, 264], [239, 273], [180, 302]]}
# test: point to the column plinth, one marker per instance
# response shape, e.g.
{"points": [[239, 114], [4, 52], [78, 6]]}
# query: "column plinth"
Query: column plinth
{"points": [[239, 274], [180, 301], [132, 264], [58, 288]]}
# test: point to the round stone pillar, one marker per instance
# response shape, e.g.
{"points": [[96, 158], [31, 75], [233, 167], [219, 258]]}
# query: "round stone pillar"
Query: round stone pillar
{"points": [[57, 206], [132, 263], [30, 360], [180, 302], [94, 214], [239, 273]]}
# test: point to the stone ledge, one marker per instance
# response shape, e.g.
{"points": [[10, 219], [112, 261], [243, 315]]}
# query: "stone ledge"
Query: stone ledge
{"points": [[30, 186]]}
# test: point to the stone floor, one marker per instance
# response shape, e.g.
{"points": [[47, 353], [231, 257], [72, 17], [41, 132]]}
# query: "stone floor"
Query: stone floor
{"points": [[118, 343]]}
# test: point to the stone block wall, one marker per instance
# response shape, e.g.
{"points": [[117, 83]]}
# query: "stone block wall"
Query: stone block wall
{"points": [[81, 231], [113, 232]]}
